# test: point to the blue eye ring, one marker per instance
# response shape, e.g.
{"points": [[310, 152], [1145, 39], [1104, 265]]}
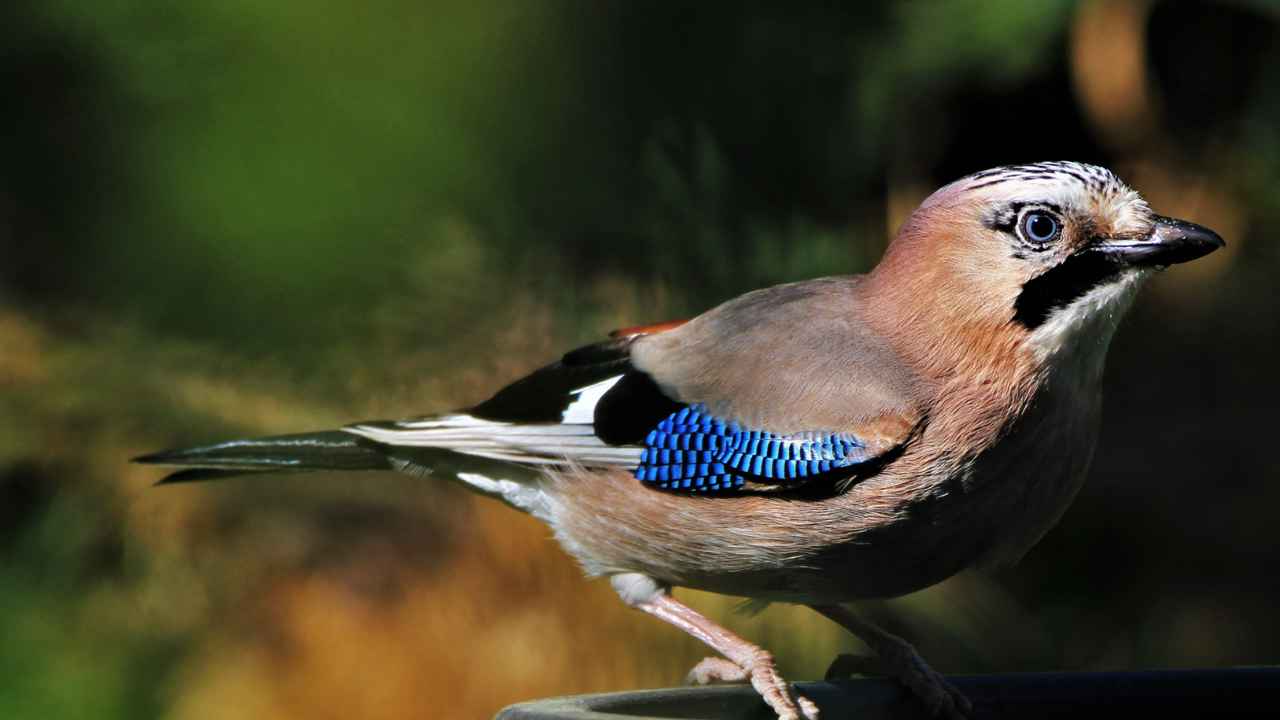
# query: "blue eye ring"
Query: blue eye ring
{"points": [[1039, 227]]}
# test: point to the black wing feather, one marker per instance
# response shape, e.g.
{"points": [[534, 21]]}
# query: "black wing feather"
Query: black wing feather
{"points": [[623, 416], [544, 395], [631, 409]]}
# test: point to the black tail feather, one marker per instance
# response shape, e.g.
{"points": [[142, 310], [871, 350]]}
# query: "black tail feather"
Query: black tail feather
{"points": [[191, 475], [330, 450]]}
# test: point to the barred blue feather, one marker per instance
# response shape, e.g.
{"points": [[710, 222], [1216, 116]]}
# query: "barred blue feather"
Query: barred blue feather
{"points": [[692, 450]]}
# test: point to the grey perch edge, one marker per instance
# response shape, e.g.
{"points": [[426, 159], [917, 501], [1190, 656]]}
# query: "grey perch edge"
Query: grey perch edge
{"points": [[1234, 692]]}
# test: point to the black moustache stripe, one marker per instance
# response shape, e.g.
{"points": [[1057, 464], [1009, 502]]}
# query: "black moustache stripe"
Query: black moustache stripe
{"points": [[1061, 285]]}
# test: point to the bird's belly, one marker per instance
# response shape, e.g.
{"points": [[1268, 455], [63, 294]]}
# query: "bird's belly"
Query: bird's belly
{"points": [[1024, 485], [990, 511], [922, 520], [762, 547]]}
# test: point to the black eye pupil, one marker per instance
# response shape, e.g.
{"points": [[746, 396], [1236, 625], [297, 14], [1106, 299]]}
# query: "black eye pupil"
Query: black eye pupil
{"points": [[1040, 227]]}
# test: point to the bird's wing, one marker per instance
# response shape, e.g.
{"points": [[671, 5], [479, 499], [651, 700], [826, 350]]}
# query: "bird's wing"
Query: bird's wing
{"points": [[545, 418], [793, 377], [778, 389]]}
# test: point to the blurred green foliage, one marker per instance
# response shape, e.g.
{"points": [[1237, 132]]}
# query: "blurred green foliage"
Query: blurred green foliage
{"points": [[277, 162], [233, 218]]}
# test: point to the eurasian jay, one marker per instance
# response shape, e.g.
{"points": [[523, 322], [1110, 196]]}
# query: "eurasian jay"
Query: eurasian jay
{"points": [[816, 442]]}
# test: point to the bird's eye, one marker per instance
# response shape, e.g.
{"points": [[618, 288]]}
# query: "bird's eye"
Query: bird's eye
{"points": [[1040, 227]]}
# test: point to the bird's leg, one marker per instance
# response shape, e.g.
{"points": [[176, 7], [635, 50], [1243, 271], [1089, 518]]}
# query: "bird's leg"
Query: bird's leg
{"points": [[745, 661], [895, 658]]}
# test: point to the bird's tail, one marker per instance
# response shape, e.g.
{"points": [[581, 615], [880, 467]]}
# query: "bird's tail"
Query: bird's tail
{"points": [[337, 450], [328, 450], [347, 450]]}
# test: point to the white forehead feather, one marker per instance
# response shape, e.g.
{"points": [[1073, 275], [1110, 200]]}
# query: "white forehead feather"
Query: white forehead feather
{"points": [[1078, 175], [1069, 185]]}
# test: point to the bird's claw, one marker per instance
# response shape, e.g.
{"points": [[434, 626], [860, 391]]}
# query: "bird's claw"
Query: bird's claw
{"points": [[904, 664], [764, 677]]}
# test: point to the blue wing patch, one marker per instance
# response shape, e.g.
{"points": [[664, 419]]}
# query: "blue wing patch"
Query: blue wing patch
{"points": [[694, 451]]}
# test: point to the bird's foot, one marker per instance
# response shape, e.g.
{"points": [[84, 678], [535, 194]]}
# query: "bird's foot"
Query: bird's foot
{"points": [[764, 677], [902, 663], [712, 670]]}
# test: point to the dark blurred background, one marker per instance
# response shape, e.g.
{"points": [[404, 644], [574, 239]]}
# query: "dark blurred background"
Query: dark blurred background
{"points": [[220, 219]]}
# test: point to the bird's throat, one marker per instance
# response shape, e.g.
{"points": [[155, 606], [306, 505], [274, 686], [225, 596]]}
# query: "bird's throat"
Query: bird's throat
{"points": [[1061, 286], [1078, 333]]}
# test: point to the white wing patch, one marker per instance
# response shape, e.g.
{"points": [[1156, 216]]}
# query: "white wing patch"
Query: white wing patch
{"points": [[583, 410], [573, 440]]}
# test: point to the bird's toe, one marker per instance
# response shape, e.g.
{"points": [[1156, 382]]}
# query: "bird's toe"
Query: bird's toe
{"points": [[904, 664], [778, 693], [808, 707], [940, 697], [715, 670]]}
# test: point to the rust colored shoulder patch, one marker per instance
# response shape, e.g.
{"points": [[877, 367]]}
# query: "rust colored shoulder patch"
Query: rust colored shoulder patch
{"points": [[653, 329]]}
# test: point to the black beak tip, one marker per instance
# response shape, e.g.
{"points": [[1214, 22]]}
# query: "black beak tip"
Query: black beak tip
{"points": [[1184, 241]]}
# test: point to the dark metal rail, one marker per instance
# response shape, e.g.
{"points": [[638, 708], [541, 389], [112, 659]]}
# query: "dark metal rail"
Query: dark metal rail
{"points": [[1237, 692]]}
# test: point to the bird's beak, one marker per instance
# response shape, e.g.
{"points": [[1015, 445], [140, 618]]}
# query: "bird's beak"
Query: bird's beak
{"points": [[1169, 243]]}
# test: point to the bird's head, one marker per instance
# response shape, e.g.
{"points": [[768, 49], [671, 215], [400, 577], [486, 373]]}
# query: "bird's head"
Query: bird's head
{"points": [[1049, 251]]}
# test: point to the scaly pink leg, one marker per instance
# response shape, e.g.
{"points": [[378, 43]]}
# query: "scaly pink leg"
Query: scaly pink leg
{"points": [[751, 661], [897, 659]]}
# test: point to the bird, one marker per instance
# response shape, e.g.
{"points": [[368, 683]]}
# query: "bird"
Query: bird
{"points": [[819, 442]]}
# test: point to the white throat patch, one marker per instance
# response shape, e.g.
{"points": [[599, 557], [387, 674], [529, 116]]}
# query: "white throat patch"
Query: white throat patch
{"points": [[1083, 328]]}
